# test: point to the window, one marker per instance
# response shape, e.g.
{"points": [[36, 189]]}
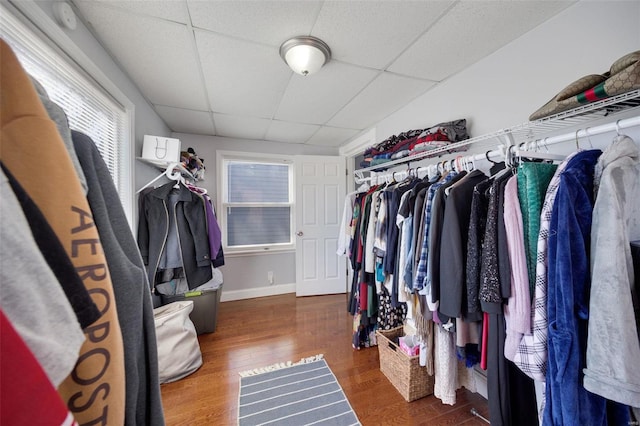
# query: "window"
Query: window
{"points": [[89, 108], [256, 203]]}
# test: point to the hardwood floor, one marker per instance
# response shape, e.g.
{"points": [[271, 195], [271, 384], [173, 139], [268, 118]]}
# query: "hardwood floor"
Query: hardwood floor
{"points": [[259, 332]]}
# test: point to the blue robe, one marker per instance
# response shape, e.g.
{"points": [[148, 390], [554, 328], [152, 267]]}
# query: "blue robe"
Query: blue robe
{"points": [[567, 402]]}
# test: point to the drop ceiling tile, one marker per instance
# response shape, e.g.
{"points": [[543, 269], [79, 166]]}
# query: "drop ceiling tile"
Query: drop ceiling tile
{"points": [[170, 10], [243, 78], [322, 93], [332, 136], [284, 131], [267, 22], [469, 32], [385, 95], [233, 126], [186, 120], [373, 33], [158, 55]]}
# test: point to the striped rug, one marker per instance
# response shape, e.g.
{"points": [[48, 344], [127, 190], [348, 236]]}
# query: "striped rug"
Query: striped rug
{"points": [[304, 393]]}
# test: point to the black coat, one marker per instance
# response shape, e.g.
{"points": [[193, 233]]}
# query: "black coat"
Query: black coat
{"points": [[191, 221]]}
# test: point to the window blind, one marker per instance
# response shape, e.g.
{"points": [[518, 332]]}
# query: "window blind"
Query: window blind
{"points": [[89, 109]]}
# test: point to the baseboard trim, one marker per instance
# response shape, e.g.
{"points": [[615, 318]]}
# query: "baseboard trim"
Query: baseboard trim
{"points": [[250, 293]]}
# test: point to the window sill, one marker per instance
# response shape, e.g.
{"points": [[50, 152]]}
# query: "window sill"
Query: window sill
{"points": [[257, 252]]}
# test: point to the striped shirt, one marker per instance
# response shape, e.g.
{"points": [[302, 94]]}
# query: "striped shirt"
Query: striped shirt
{"points": [[531, 356]]}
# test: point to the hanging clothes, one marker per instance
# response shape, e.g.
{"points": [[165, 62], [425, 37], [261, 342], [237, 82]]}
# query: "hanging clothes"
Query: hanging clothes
{"points": [[453, 247], [143, 402], [613, 349], [517, 311], [435, 238], [19, 366], [531, 356], [567, 402], [29, 137], [162, 207], [31, 296], [213, 228], [476, 234], [486, 257], [533, 180], [421, 282]]}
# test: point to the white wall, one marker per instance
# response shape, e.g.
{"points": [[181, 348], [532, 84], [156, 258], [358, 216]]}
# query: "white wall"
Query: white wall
{"points": [[146, 119], [246, 275], [503, 89], [207, 146]]}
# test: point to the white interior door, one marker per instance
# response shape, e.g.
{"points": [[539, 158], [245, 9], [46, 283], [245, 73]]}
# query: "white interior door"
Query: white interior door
{"points": [[320, 192]]}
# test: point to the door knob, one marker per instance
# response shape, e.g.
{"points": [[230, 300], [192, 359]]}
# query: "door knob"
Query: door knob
{"points": [[299, 233]]}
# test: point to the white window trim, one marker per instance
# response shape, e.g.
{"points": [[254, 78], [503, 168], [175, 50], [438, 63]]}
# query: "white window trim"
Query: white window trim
{"points": [[221, 183], [42, 22]]}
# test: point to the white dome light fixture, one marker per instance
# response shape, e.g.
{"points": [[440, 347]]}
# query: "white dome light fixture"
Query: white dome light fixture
{"points": [[305, 54]]}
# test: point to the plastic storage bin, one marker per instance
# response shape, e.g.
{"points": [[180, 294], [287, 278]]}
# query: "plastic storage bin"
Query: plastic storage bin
{"points": [[205, 307]]}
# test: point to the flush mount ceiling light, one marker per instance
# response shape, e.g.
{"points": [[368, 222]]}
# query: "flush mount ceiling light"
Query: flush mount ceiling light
{"points": [[305, 54]]}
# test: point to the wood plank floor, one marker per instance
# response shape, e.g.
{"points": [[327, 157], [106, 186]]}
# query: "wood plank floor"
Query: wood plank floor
{"points": [[258, 332]]}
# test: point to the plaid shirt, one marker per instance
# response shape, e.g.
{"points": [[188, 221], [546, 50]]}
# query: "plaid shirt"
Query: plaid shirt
{"points": [[531, 357], [421, 275]]}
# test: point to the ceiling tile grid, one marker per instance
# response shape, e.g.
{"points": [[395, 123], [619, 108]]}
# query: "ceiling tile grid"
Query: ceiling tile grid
{"points": [[170, 10], [332, 136], [284, 131], [470, 31], [316, 98], [372, 34], [234, 126], [385, 95], [265, 22], [213, 67], [186, 120], [242, 78], [157, 54]]}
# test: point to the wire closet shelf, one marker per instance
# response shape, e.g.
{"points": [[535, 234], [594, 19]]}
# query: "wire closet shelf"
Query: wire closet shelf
{"points": [[530, 131]]}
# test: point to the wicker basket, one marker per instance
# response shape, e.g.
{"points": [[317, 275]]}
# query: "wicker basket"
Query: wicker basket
{"points": [[403, 371]]}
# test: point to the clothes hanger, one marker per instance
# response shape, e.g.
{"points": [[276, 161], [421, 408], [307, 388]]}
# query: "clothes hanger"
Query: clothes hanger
{"points": [[167, 172], [486, 154], [536, 155], [618, 127], [577, 142], [177, 176], [198, 190], [588, 137], [470, 163]]}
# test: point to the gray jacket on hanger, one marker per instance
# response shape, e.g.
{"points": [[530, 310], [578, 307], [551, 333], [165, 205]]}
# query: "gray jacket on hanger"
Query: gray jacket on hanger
{"points": [[143, 403]]}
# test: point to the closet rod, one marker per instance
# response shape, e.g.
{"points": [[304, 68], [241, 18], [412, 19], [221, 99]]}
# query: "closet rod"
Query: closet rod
{"points": [[614, 126]]}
